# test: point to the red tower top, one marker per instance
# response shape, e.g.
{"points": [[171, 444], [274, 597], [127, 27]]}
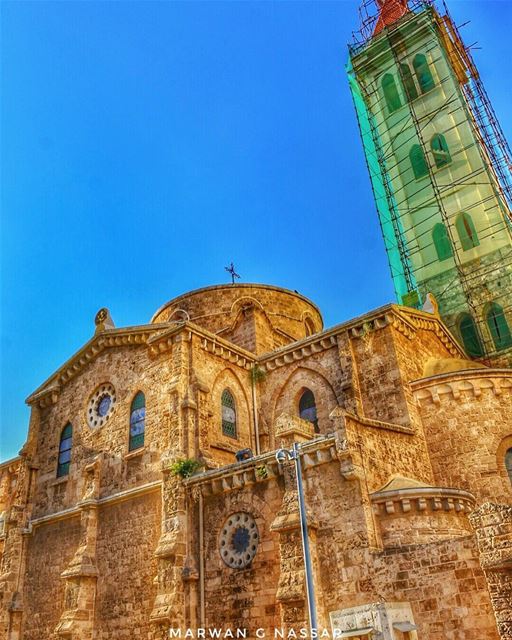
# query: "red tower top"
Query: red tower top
{"points": [[389, 12]]}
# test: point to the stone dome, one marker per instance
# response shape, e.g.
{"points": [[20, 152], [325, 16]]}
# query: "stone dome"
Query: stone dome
{"points": [[258, 317]]}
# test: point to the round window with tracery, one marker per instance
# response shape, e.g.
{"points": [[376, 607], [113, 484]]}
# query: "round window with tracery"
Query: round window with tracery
{"points": [[238, 541], [101, 405]]}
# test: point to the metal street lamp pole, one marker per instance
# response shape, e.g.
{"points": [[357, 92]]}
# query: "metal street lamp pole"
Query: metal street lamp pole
{"points": [[294, 454]]}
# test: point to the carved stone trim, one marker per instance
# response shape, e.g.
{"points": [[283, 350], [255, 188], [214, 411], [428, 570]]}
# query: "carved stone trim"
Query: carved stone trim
{"points": [[474, 381]]}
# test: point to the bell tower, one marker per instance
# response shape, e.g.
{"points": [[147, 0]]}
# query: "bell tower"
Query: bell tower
{"points": [[440, 169]]}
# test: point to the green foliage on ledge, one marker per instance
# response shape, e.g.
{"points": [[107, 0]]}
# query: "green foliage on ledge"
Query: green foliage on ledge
{"points": [[186, 467]]}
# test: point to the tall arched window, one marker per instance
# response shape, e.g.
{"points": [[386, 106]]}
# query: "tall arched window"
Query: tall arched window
{"points": [[440, 150], [418, 161], [65, 444], [467, 232], [228, 414], [442, 242], [423, 73], [309, 326], [469, 334], [408, 82], [137, 421], [508, 463], [391, 94], [307, 408], [498, 326]]}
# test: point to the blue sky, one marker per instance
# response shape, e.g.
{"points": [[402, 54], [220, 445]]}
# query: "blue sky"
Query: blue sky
{"points": [[145, 145]]}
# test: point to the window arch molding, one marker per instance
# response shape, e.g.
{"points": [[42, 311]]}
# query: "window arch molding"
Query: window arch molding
{"points": [[498, 326], [468, 332], [310, 375], [229, 380], [65, 447], [137, 421]]}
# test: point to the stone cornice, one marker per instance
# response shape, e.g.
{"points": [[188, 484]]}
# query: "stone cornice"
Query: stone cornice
{"points": [[48, 392], [260, 468], [450, 385], [422, 499], [115, 498], [404, 319]]}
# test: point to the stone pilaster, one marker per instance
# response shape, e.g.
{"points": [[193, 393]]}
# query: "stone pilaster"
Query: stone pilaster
{"points": [[493, 528], [13, 562], [169, 605], [291, 589], [77, 619]]}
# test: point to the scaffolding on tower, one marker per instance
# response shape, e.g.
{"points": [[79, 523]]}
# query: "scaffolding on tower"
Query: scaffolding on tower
{"points": [[381, 22]]}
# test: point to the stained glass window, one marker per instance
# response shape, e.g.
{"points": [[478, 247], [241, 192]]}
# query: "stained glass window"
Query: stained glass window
{"points": [[418, 161], [498, 326], [391, 94], [228, 414], [423, 73], [440, 150], [307, 408], [65, 444], [442, 242], [408, 82], [467, 232], [137, 421], [469, 335]]}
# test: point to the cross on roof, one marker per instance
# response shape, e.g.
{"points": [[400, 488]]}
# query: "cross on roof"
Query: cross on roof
{"points": [[234, 274]]}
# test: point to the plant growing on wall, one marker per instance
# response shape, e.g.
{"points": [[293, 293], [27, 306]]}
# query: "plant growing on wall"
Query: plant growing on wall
{"points": [[186, 467], [262, 472]]}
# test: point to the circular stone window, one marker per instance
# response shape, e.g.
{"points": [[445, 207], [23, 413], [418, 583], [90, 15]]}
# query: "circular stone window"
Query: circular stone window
{"points": [[101, 405], [238, 540]]}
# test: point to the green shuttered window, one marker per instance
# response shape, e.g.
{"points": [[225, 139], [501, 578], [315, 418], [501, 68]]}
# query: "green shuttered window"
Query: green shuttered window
{"points": [[423, 73], [469, 335], [498, 326], [418, 161], [440, 150], [391, 94], [467, 232], [442, 242]]}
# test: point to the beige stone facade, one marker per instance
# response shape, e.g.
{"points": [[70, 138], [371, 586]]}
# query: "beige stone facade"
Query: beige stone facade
{"points": [[408, 493]]}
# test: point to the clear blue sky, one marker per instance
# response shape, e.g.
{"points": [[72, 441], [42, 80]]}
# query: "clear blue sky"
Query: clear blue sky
{"points": [[145, 145]]}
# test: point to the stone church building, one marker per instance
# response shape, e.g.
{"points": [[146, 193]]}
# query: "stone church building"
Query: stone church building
{"points": [[148, 497], [406, 453]]}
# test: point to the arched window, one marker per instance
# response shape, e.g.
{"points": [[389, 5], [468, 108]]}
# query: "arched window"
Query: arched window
{"points": [[65, 444], [391, 94], [408, 82], [467, 232], [440, 150], [508, 463], [310, 327], [423, 73], [498, 326], [307, 408], [228, 414], [442, 242], [469, 334], [418, 161], [137, 421]]}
